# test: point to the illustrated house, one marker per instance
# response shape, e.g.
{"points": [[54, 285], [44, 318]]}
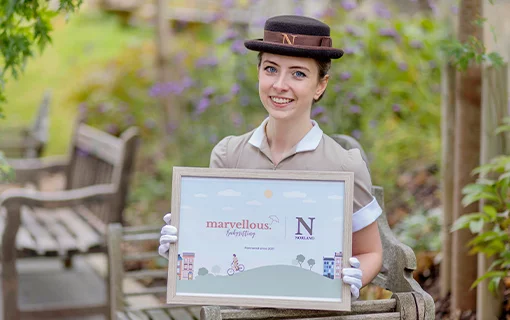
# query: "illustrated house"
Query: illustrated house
{"points": [[179, 267], [189, 263], [338, 265], [329, 267]]}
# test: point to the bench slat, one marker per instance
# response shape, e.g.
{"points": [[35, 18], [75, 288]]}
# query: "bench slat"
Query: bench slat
{"points": [[140, 256], [141, 237], [138, 315], [86, 237], [100, 144], [195, 311], [23, 239], [146, 274], [122, 316], [45, 242], [159, 314], [180, 313], [141, 229], [146, 291], [358, 307], [66, 241], [378, 316]]}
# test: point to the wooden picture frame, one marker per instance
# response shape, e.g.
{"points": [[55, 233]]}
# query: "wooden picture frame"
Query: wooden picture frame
{"points": [[253, 237]]}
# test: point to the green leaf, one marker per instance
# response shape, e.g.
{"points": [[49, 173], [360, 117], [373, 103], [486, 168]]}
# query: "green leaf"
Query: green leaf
{"points": [[471, 198], [496, 59], [505, 175], [480, 21], [502, 129], [490, 211], [490, 274], [476, 226], [464, 221]]}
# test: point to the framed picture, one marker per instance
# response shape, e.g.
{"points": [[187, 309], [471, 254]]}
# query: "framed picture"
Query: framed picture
{"points": [[261, 238]]}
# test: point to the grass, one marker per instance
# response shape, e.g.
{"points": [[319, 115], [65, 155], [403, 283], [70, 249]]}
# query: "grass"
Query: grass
{"points": [[83, 42]]}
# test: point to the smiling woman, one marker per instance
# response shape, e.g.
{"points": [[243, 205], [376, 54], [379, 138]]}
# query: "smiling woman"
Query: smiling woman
{"points": [[294, 58]]}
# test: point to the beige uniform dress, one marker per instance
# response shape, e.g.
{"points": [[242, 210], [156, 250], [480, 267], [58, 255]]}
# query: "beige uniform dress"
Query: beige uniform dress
{"points": [[316, 151]]}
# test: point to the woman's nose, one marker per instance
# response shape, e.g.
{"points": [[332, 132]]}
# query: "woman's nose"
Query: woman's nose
{"points": [[280, 83]]}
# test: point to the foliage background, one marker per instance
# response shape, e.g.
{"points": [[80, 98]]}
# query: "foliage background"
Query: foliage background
{"points": [[384, 92]]}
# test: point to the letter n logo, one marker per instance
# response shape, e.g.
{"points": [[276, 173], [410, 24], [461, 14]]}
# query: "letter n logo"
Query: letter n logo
{"points": [[287, 40], [302, 223]]}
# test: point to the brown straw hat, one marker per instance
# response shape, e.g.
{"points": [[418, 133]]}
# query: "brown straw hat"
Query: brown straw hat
{"points": [[297, 36]]}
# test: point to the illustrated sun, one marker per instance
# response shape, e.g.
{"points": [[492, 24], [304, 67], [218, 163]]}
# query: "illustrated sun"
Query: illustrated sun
{"points": [[268, 193]]}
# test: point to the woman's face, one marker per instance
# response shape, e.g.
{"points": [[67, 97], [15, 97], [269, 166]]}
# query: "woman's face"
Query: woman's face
{"points": [[288, 85]]}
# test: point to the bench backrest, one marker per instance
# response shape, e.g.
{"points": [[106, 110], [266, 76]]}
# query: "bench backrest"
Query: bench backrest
{"points": [[28, 141], [132, 256], [396, 255], [97, 157]]}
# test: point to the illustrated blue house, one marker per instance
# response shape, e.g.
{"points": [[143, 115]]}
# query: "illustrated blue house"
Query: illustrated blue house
{"points": [[329, 267]]}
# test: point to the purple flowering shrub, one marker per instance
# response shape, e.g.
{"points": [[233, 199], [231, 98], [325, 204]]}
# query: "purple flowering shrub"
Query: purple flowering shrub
{"points": [[384, 92]]}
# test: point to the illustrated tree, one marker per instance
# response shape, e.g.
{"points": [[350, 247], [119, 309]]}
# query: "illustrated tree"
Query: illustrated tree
{"points": [[300, 259], [216, 269], [311, 263], [203, 271]]}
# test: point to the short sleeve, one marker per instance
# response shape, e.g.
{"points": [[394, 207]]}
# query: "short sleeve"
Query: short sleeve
{"points": [[219, 158], [365, 207]]}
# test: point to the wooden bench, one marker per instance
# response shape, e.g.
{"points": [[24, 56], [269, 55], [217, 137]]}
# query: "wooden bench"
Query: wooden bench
{"points": [[66, 222], [27, 142], [133, 256]]}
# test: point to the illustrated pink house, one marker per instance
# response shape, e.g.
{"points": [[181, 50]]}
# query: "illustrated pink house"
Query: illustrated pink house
{"points": [[338, 265], [188, 259], [179, 267]]}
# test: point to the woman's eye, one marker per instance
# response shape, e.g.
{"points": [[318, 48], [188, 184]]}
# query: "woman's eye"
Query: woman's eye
{"points": [[270, 69], [299, 74]]}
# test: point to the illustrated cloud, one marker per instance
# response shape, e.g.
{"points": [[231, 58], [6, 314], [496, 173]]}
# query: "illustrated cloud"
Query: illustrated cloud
{"points": [[229, 193], [253, 203], [335, 197], [200, 195], [294, 194]]}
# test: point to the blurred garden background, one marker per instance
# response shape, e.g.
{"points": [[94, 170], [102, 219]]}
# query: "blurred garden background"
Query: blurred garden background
{"points": [[106, 60]]}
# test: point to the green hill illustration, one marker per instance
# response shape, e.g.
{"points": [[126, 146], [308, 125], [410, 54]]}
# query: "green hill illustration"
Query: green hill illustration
{"points": [[277, 280]]}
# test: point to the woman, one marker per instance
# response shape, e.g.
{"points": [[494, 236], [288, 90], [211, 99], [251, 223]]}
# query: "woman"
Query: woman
{"points": [[294, 58]]}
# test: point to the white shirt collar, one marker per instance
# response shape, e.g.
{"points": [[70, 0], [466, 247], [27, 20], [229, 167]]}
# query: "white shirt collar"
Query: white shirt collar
{"points": [[309, 142]]}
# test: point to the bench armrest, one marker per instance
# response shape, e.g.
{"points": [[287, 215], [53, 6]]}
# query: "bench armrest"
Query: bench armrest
{"points": [[17, 197], [13, 199], [29, 170]]}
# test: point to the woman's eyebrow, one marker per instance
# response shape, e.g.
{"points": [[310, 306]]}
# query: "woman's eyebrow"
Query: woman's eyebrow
{"points": [[300, 67], [293, 67]]}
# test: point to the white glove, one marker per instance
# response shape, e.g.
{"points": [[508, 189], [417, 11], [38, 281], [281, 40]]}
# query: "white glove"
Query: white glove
{"points": [[168, 236], [352, 276]]}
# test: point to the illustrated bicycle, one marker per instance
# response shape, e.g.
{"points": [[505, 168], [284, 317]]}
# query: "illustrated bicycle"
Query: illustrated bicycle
{"points": [[231, 271]]}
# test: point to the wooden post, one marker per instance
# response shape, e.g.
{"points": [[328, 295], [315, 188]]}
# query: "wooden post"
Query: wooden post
{"points": [[10, 284], [448, 83], [494, 108], [467, 158], [171, 110], [115, 269]]}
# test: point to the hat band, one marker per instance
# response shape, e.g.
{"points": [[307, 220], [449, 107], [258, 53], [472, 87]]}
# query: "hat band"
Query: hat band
{"points": [[297, 39]]}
